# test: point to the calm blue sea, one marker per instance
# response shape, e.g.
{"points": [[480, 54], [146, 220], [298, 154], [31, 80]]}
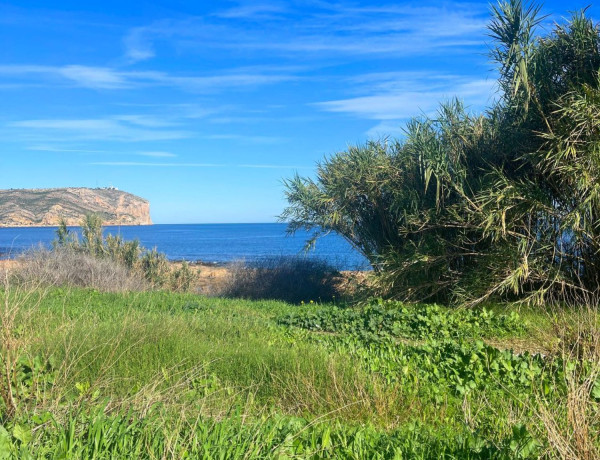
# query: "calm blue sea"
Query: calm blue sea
{"points": [[211, 243]]}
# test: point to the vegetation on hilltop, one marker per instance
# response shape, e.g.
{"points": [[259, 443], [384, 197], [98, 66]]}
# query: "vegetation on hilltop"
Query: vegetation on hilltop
{"points": [[502, 205]]}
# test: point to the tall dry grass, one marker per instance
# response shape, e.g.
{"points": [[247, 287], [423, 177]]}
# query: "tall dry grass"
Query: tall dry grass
{"points": [[67, 267], [572, 426]]}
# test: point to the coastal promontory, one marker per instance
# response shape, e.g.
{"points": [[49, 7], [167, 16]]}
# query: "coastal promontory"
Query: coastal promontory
{"points": [[47, 207]]}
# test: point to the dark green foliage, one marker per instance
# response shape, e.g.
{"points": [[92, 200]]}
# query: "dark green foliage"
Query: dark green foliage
{"points": [[446, 349], [399, 203], [459, 367], [394, 319], [63, 236], [544, 215], [465, 208]]}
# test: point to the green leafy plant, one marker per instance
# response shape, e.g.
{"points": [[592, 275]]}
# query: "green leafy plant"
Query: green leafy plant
{"points": [[396, 319]]}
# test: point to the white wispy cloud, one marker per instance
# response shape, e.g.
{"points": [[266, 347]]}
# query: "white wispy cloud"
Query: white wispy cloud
{"points": [[385, 129], [147, 121], [247, 139], [137, 47], [254, 10], [393, 97], [93, 77], [328, 29], [409, 95], [150, 164], [157, 154], [58, 149], [196, 165], [107, 129], [61, 149], [107, 78]]}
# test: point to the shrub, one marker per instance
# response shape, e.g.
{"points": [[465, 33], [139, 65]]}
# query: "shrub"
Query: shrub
{"points": [[182, 278], [291, 279], [155, 267], [131, 257], [127, 253], [67, 267], [504, 204]]}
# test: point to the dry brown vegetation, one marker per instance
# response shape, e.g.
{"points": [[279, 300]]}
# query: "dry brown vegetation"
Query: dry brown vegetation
{"points": [[571, 427], [71, 268]]}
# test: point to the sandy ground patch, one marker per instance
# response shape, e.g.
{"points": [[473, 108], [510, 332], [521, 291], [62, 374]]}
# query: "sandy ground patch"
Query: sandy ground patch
{"points": [[210, 278]]}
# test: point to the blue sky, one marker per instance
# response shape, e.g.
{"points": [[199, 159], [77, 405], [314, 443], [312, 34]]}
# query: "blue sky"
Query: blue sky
{"points": [[205, 107]]}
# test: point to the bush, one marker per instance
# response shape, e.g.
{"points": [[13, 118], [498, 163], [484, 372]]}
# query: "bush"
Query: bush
{"points": [[465, 208], [130, 257], [155, 267], [66, 267], [291, 279], [182, 278]]}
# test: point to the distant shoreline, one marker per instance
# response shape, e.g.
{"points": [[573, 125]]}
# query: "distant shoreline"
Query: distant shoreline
{"points": [[211, 245], [153, 224], [74, 226], [7, 256]]}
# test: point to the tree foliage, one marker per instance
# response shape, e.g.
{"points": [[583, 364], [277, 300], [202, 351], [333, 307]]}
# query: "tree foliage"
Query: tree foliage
{"points": [[465, 207]]}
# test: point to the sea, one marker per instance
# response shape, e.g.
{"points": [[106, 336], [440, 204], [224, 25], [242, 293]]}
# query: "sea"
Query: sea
{"points": [[206, 243]]}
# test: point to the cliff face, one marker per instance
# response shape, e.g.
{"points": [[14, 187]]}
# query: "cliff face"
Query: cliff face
{"points": [[46, 207]]}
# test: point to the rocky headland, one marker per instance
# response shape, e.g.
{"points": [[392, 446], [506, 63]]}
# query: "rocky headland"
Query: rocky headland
{"points": [[46, 207]]}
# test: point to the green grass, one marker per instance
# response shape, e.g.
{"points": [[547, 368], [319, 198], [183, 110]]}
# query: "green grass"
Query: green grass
{"points": [[166, 375], [134, 337]]}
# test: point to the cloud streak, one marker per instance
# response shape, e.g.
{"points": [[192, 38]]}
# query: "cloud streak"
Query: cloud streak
{"points": [[156, 154], [56, 149], [265, 140], [105, 129], [107, 78], [196, 165], [393, 97], [328, 29]]}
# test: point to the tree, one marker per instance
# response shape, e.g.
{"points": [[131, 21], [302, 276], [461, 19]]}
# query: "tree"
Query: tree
{"points": [[466, 207]]}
